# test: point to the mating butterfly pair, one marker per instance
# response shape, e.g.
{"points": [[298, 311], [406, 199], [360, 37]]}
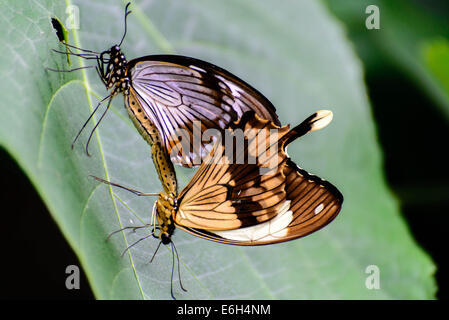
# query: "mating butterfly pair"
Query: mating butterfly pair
{"points": [[165, 93], [225, 201]]}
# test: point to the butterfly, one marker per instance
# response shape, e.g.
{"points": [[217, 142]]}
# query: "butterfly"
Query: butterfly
{"points": [[254, 194], [175, 96], [249, 192]]}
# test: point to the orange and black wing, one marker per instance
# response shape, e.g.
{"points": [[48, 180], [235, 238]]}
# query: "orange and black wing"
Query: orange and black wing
{"points": [[184, 97], [265, 201]]}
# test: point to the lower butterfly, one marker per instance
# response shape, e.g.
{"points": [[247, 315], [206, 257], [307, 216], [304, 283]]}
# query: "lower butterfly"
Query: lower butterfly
{"points": [[254, 195], [235, 203], [266, 201]]}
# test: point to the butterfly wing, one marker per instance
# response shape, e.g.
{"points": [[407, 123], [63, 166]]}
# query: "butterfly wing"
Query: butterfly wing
{"points": [[184, 97], [238, 204]]}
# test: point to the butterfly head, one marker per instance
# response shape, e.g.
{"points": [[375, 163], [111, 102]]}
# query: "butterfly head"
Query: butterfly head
{"points": [[165, 238], [112, 66]]}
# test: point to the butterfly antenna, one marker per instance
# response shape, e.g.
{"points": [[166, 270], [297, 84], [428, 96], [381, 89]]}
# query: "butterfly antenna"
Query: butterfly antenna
{"points": [[88, 119], [126, 23], [136, 192], [179, 268], [99, 121]]}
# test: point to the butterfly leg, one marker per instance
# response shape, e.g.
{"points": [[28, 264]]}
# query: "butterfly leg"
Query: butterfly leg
{"points": [[136, 192]]}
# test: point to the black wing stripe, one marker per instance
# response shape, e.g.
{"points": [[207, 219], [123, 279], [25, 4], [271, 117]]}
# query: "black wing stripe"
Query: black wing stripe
{"points": [[208, 196], [311, 203], [164, 93], [308, 217]]}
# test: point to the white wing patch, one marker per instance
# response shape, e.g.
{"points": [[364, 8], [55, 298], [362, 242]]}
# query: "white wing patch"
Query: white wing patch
{"points": [[197, 68], [270, 230], [319, 208]]}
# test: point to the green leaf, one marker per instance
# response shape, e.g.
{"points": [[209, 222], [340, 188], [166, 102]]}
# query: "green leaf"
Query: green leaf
{"points": [[297, 55], [436, 56]]}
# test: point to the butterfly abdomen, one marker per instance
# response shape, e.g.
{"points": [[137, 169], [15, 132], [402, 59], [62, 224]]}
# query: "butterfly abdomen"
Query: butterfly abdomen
{"points": [[149, 132], [164, 168], [144, 125]]}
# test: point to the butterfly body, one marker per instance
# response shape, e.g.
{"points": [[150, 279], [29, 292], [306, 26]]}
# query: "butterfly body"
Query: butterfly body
{"points": [[166, 205], [112, 69]]}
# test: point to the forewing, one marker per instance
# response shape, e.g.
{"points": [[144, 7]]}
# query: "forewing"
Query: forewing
{"points": [[184, 97]]}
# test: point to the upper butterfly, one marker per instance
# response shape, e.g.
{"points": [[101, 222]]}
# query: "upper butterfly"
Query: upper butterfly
{"points": [[178, 96]]}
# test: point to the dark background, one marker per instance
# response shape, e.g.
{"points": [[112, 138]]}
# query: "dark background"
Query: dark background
{"points": [[35, 254]]}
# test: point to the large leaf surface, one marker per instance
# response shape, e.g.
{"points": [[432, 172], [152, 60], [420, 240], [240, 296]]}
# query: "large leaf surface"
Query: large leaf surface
{"points": [[293, 52]]}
